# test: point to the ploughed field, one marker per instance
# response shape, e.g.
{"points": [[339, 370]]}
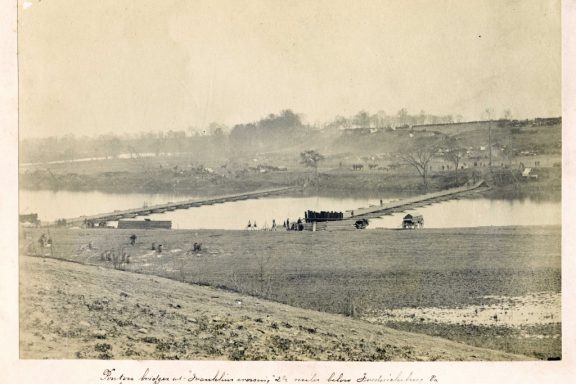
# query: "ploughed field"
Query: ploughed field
{"points": [[495, 287]]}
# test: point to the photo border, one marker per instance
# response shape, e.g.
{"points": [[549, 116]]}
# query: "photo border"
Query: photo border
{"points": [[19, 371]]}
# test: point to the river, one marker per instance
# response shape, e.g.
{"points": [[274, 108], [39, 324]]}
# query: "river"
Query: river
{"points": [[476, 212]]}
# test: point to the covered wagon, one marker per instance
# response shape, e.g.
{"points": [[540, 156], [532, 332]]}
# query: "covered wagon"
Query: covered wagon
{"points": [[413, 221]]}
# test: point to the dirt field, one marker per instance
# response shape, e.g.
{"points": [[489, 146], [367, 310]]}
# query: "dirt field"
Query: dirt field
{"points": [[73, 311], [363, 274]]}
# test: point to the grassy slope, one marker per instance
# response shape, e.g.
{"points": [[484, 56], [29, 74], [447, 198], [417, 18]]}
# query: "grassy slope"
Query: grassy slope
{"points": [[70, 310], [363, 271], [321, 270]]}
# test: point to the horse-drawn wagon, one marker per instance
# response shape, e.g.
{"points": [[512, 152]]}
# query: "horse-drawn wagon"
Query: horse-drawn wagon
{"points": [[413, 221]]}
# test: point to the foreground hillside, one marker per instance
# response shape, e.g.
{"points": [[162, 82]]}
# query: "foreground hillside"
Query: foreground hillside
{"points": [[479, 286], [69, 310]]}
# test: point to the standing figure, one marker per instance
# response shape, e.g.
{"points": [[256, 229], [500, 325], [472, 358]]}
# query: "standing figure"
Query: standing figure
{"points": [[42, 240]]}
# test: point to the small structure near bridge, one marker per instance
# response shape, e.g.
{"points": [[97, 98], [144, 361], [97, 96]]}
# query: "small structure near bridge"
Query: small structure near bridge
{"points": [[413, 221], [528, 174], [30, 219]]}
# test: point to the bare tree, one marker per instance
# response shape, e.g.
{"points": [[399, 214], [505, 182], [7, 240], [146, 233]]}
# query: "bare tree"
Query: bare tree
{"points": [[311, 158], [264, 276], [419, 156], [454, 153], [362, 119], [403, 116]]}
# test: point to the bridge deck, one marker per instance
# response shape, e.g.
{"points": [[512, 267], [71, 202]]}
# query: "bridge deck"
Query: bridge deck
{"points": [[413, 202], [159, 208]]}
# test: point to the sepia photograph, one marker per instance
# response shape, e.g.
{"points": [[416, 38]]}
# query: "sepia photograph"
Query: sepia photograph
{"points": [[335, 181]]}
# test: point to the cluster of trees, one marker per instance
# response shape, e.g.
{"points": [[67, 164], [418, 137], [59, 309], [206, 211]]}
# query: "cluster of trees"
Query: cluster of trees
{"points": [[380, 119], [112, 146], [69, 147], [271, 132]]}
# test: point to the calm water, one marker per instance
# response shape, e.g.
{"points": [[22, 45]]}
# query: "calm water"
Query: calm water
{"points": [[51, 206]]}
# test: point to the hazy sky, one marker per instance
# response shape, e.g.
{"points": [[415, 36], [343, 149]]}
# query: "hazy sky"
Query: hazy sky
{"points": [[128, 66]]}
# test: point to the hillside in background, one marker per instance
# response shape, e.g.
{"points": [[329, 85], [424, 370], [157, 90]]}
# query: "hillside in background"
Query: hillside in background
{"points": [[268, 154]]}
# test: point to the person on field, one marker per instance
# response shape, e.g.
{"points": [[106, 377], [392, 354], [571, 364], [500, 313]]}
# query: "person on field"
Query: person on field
{"points": [[42, 240], [133, 239]]}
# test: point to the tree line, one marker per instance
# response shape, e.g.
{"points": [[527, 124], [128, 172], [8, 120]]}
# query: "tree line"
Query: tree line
{"points": [[273, 132]]}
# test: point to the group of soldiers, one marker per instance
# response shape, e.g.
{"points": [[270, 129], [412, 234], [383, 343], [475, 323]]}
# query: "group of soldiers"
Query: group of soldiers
{"points": [[251, 226], [287, 225], [294, 226], [117, 259], [311, 216], [111, 255], [196, 247], [254, 227]]}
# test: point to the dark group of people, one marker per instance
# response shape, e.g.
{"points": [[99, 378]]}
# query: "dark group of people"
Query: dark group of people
{"points": [[157, 247], [294, 226], [287, 225], [311, 216], [117, 259], [254, 227]]}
